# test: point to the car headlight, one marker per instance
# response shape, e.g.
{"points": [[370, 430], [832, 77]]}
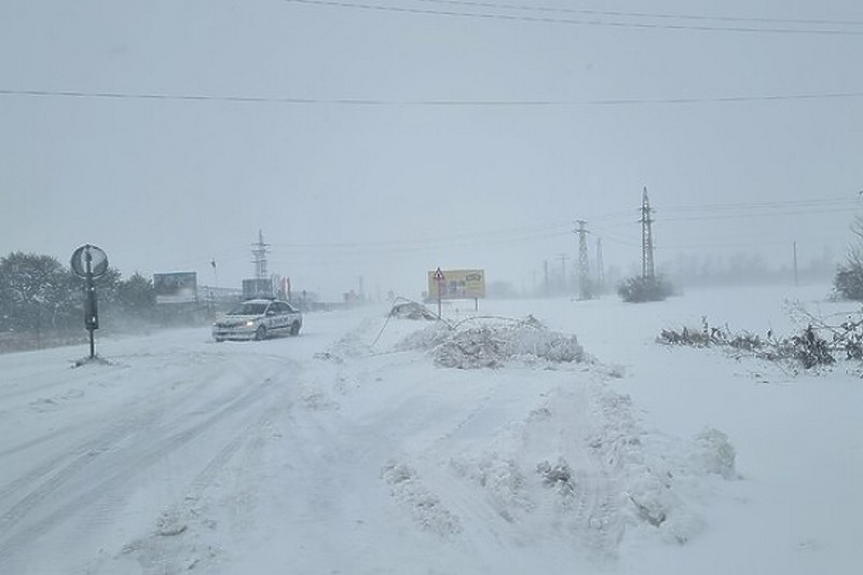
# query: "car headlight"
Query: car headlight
{"points": [[250, 323]]}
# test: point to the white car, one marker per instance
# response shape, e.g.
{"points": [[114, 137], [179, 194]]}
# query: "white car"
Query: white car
{"points": [[258, 319]]}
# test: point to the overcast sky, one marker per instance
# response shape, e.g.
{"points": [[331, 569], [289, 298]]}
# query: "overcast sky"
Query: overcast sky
{"points": [[384, 138]]}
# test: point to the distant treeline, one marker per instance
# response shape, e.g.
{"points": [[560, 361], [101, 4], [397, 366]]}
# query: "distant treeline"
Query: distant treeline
{"points": [[41, 298]]}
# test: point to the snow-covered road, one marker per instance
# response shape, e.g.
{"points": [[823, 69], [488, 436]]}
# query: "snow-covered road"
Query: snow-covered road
{"points": [[347, 450], [88, 452]]}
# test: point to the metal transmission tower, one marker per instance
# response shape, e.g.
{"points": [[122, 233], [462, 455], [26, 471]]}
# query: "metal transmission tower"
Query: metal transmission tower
{"points": [[259, 252], [583, 262], [647, 269], [600, 272]]}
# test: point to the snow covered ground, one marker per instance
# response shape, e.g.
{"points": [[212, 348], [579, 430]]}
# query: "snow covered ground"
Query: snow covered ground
{"points": [[358, 448]]}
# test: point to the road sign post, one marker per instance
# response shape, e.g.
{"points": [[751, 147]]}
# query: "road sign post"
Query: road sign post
{"points": [[89, 262], [440, 279]]}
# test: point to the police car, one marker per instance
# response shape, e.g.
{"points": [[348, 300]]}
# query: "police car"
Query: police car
{"points": [[259, 319]]}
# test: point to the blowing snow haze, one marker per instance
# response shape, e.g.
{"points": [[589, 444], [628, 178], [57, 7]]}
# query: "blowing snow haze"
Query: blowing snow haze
{"points": [[370, 142], [382, 139]]}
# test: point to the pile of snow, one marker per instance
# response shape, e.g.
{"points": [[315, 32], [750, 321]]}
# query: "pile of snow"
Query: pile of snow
{"points": [[352, 344], [495, 342], [598, 478], [426, 509], [578, 464], [712, 453], [412, 310]]}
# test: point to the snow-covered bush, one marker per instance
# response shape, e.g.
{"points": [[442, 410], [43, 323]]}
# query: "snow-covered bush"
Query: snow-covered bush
{"points": [[640, 289], [848, 283], [807, 348]]}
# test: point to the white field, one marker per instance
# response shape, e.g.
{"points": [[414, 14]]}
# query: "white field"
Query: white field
{"points": [[336, 452]]}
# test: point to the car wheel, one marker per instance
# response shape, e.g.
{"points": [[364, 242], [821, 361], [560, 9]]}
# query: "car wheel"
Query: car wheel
{"points": [[261, 333], [295, 328], [219, 340]]}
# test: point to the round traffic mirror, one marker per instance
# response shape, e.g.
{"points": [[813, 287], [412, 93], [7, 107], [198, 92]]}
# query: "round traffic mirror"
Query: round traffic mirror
{"points": [[89, 260]]}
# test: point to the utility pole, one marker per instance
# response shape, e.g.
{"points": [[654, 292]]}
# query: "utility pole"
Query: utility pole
{"points": [[583, 262], [563, 258], [545, 267], [212, 295], [259, 252], [647, 270], [796, 283], [600, 272]]}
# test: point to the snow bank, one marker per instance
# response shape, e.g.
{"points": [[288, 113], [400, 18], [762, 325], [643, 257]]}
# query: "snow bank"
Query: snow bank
{"points": [[486, 342], [426, 509], [582, 467], [578, 464]]}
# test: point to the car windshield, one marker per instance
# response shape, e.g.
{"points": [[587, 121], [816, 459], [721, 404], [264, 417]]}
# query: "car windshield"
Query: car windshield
{"points": [[249, 309]]}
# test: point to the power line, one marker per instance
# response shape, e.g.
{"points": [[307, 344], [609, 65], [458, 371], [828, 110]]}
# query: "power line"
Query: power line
{"points": [[823, 205], [545, 229], [381, 102], [358, 248], [573, 21], [759, 243], [846, 201], [755, 215], [657, 15], [618, 239]]}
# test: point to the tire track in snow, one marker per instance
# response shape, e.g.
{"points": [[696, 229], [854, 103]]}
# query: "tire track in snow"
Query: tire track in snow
{"points": [[60, 468], [37, 441], [32, 390], [11, 542], [167, 554], [62, 473], [131, 406], [58, 379]]}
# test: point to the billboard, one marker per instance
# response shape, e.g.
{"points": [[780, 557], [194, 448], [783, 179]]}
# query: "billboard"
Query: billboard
{"points": [[258, 287], [178, 287], [457, 284]]}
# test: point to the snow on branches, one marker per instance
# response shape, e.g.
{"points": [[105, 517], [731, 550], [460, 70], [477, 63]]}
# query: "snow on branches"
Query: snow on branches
{"points": [[819, 344]]}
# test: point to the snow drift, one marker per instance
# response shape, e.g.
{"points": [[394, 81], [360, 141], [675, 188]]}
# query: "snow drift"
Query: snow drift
{"points": [[579, 464], [495, 342]]}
